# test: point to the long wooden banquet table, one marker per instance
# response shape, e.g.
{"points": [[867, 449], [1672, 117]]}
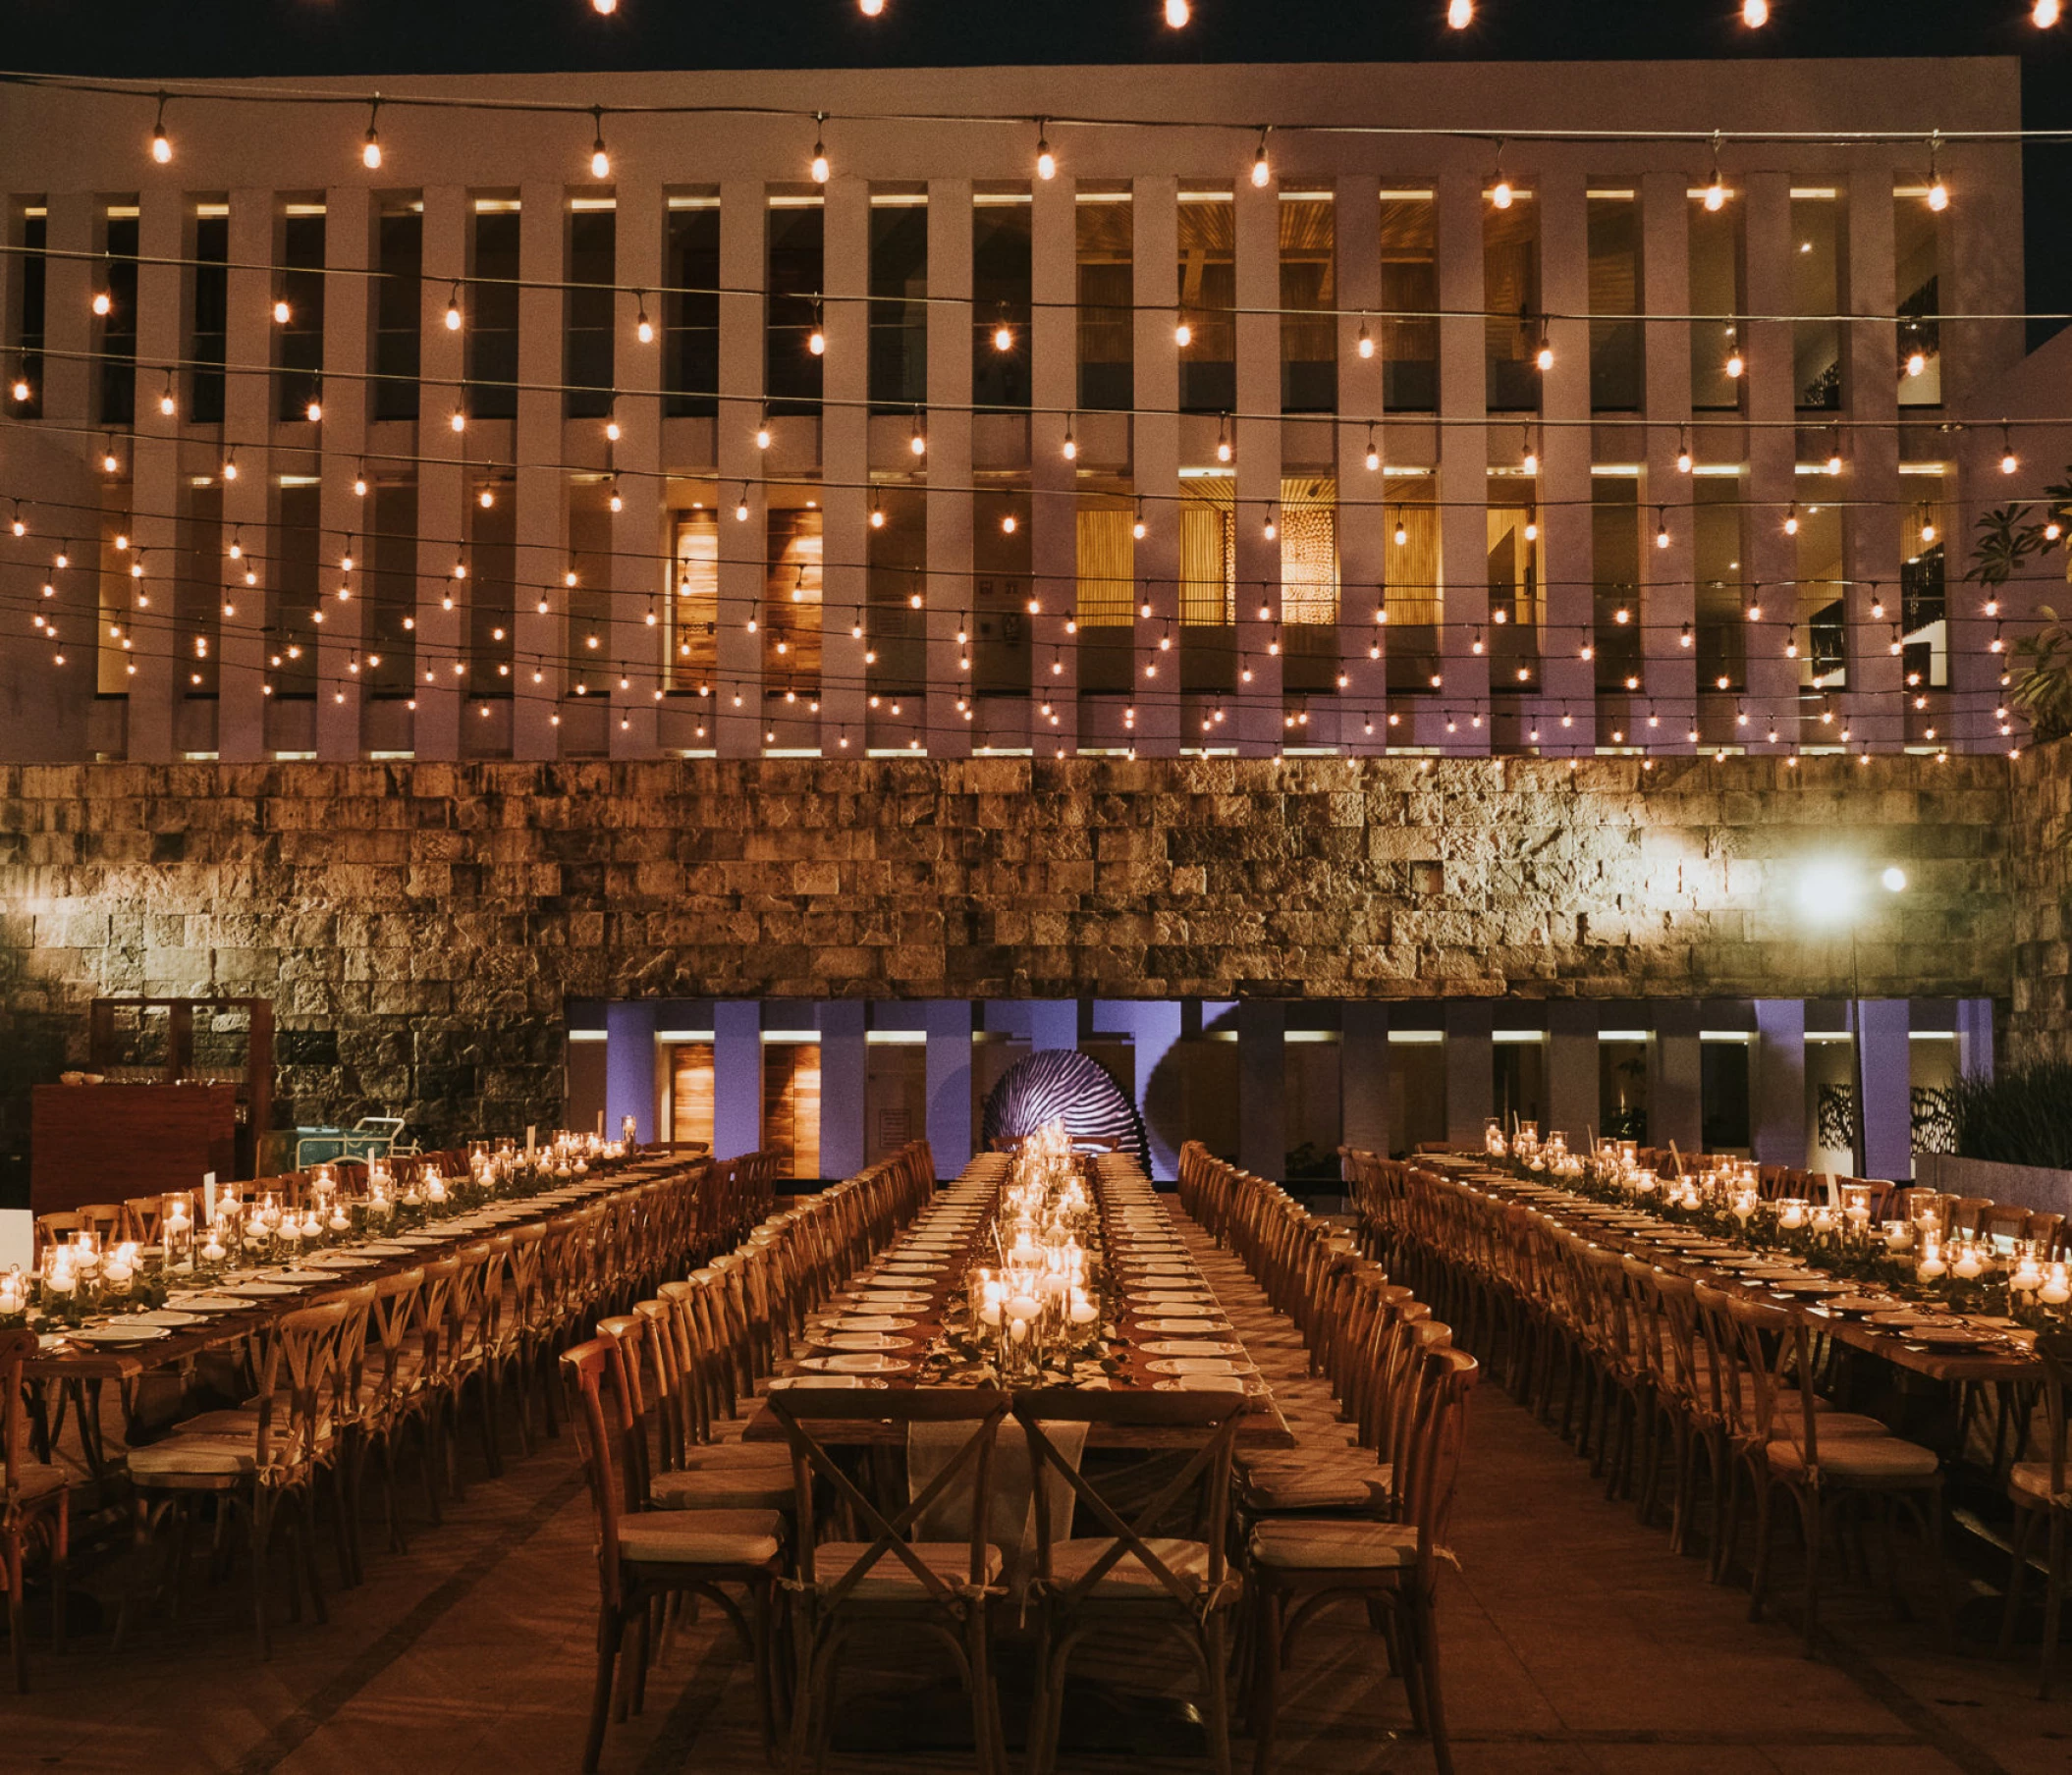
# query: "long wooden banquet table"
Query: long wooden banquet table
{"points": [[264, 1292], [1940, 1345], [1169, 1329]]}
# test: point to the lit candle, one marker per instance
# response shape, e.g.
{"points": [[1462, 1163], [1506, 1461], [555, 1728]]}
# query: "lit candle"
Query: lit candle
{"points": [[1083, 1310], [1899, 1234], [1793, 1215], [1932, 1265], [1969, 1267], [2058, 1287]]}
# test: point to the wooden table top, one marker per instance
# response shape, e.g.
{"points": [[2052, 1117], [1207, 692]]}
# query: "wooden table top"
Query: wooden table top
{"points": [[1263, 1426], [2007, 1359], [69, 1361]]}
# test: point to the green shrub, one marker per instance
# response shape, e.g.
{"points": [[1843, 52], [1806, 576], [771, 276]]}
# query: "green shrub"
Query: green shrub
{"points": [[2019, 1115]]}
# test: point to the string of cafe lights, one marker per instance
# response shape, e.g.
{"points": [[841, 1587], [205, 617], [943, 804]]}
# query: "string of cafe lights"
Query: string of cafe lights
{"points": [[1460, 15], [1645, 722]]}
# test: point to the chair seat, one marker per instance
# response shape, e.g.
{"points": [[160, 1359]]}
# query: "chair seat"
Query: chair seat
{"points": [[1831, 1423], [36, 1480], [1186, 1560], [1333, 1481], [2030, 1481], [181, 1455], [701, 1538], [1860, 1458], [1298, 1544], [726, 1485], [891, 1579]]}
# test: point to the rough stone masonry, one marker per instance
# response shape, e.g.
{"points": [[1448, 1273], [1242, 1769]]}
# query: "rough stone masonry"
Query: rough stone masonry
{"points": [[420, 926]]}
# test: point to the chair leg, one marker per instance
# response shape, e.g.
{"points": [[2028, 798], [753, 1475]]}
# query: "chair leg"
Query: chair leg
{"points": [[1424, 1630], [16, 1615], [1766, 1526], [2054, 1603], [1266, 1681], [609, 1628], [1215, 1657], [1811, 1515], [261, 1534], [2023, 1526]]}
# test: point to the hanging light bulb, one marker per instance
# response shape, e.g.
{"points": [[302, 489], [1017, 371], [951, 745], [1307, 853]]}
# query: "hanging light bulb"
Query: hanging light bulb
{"points": [[1402, 531], [1223, 450], [1374, 452], [1460, 13], [230, 467], [1834, 454], [1736, 363], [460, 420], [1500, 193], [1755, 14], [1927, 528], [21, 391], [1261, 171], [2044, 14], [1683, 451], [280, 311], [102, 301], [1182, 335], [1715, 192], [1136, 529], [161, 142], [600, 161], [877, 513], [1177, 13], [1007, 524], [166, 403], [611, 430], [1916, 361], [818, 166], [762, 429], [1365, 347], [1071, 444], [1544, 356], [109, 463], [2009, 461], [314, 410], [1271, 529], [741, 510], [1938, 192], [453, 310], [360, 482], [1529, 463], [817, 339], [370, 146], [871, 10], [1046, 161], [1662, 531], [617, 500], [918, 442], [1003, 336], [1791, 520]]}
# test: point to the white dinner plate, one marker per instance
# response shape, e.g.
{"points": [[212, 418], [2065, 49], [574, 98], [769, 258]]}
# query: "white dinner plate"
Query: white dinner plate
{"points": [[856, 1362], [205, 1304], [1192, 1326], [171, 1320], [871, 1322], [125, 1332], [838, 1382], [1202, 1383], [341, 1260], [1199, 1365], [1193, 1346], [858, 1340], [260, 1291]]}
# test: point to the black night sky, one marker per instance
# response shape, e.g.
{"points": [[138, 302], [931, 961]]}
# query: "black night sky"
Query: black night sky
{"points": [[194, 39]]}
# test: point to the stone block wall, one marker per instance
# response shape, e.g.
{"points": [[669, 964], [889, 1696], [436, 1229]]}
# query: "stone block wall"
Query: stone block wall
{"points": [[419, 927], [2040, 1018]]}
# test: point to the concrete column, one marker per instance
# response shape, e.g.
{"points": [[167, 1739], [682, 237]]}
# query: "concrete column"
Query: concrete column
{"points": [[737, 732], [1667, 597], [1877, 517], [1363, 1076], [1573, 1088], [1773, 451], [1155, 438], [1363, 521], [736, 1077], [950, 501], [1154, 1029], [844, 445], [1471, 1073], [157, 491], [844, 1062], [348, 338], [1259, 705], [1566, 683], [1779, 1082], [441, 634], [1975, 1036], [948, 1026], [73, 233], [542, 520], [1463, 475], [630, 1067], [1887, 1079], [247, 501], [1054, 516], [1054, 1023], [1262, 1085], [1676, 1094], [639, 580]]}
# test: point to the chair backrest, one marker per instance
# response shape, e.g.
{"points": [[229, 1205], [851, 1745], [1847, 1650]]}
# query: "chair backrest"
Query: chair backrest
{"points": [[1776, 1358], [2054, 1350], [1433, 1460], [585, 1374], [1214, 1417], [798, 1410], [17, 1346], [305, 1350]]}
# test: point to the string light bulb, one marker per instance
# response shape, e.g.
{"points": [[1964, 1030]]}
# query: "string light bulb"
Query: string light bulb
{"points": [[1046, 161], [1071, 444], [1529, 462], [1937, 190], [1262, 172], [1683, 450], [871, 9], [1791, 520], [1544, 356], [1177, 13], [1374, 450], [2009, 461], [161, 142], [1223, 450], [1716, 191], [1365, 347], [600, 161], [817, 339], [1500, 193], [21, 391], [166, 403], [740, 509], [453, 310], [1182, 335], [2044, 14], [1736, 362], [1136, 528], [1755, 14], [102, 301], [282, 312], [1460, 13], [918, 442], [371, 144]]}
